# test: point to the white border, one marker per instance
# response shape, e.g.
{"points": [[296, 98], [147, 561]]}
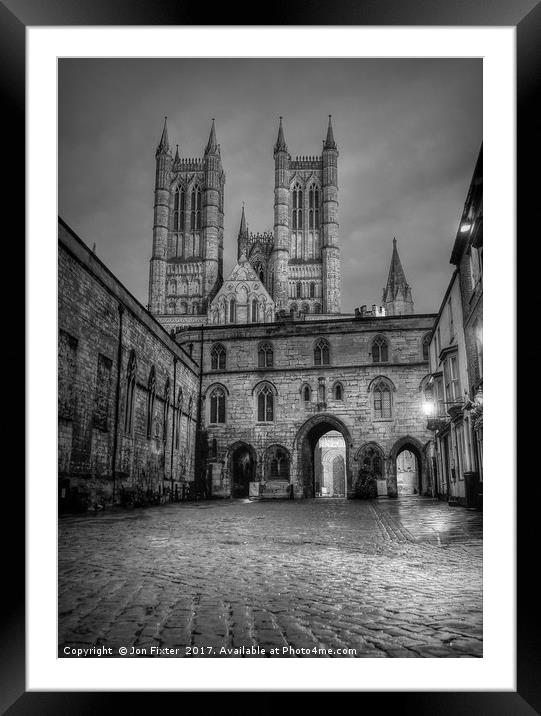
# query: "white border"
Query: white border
{"points": [[496, 670]]}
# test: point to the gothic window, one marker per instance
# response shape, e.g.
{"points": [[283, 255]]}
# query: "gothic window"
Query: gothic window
{"points": [[178, 417], [265, 356], [313, 208], [195, 214], [312, 290], [103, 391], [299, 290], [338, 391], [254, 310], [317, 308], [381, 396], [306, 393], [277, 463], [130, 392], [232, 311], [380, 350], [293, 308], [305, 308], [370, 462], [296, 223], [67, 368], [151, 396], [265, 405], [321, 352], [217, 357], [426, 346], [217, 406], [166, 405]]}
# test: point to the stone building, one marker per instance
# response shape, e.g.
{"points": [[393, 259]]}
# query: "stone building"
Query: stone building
{"points": [[253, 386], [127, 393], [455, 387]]}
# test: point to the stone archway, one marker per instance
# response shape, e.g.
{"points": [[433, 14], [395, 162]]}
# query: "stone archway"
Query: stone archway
{"points": [[304, 447], [241, 464], [413, 446]]}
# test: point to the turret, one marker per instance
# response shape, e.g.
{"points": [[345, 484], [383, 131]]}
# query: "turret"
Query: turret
{"points": [[160, 230], [242, 239], [330, 249], [213, 218], [278, 280], [397, 298]]}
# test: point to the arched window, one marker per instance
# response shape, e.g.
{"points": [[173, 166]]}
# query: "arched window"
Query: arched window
{"points": [[306, 393], [265, 356], [217, 406], [178, 416], [321, 352], [166, 405], [312, 290], [380, 350], [254, 310], [293, 308], [179, 213], [265, 405], [426, 346], [382, 400], [217, 357], [213, 448], [130, 391], [151, 396], [317, 308], [232, 311], [371, 462], [338, 391], [296, 219], [195, 214], [305, 308], [299, 289], [277, 463]]}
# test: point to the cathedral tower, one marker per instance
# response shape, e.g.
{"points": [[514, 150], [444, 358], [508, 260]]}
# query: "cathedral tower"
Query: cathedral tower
{"points": [[397, 298], [187, 257], [305, 261]]}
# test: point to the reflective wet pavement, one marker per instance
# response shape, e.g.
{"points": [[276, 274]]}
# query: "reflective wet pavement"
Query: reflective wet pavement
{"points": [[383, 578]]}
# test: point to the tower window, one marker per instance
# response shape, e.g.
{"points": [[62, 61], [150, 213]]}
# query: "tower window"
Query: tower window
{"points": [[380, 350], [313, 208], [321, 352], [195, 217], [296, 218]]}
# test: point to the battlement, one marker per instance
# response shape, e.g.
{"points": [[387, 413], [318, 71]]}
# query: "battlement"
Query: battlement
{"points": [[192, 164], [303, 162], [267, 237], [366, 312]]}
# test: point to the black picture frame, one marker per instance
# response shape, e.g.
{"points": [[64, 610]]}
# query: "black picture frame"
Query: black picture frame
{"points": [[15, 16]]}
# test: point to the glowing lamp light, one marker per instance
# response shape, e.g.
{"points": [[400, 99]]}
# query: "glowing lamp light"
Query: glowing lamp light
{"points": [[465, 227], [428, 408]]}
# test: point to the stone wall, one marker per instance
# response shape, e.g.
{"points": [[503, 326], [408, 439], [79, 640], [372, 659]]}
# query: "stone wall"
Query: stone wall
{"points": [[101, 458], [297, 423]]}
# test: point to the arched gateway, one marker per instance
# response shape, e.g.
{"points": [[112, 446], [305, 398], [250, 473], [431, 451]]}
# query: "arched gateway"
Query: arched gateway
{"points": [[241, 463], [304, 447]]}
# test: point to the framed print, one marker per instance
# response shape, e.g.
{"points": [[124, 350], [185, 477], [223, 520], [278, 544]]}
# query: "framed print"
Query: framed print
{"points": [[269, 434]]}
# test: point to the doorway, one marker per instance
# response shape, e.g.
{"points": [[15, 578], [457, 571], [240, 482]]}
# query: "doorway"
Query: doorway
{"points": [[323, 444], [242, 469]]}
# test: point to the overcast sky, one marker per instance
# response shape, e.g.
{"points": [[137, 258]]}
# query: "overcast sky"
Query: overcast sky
{"points": [[408, 132]]}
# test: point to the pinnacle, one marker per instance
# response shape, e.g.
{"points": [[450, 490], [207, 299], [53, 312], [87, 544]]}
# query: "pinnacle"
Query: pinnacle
{"points": [[329, 141], [280, 145], [163, 146], [212, 145]]}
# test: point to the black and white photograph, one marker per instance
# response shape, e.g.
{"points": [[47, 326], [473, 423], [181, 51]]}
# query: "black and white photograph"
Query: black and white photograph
{"points": [[270, 358]]}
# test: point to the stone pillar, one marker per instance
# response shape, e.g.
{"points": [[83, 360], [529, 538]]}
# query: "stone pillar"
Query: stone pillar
{"points": [[330, 250], [160, 232]]}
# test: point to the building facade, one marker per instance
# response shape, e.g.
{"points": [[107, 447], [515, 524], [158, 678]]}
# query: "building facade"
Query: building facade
{"points": [[455, 388], [258, 386]]}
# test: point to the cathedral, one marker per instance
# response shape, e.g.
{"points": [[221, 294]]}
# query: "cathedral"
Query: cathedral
{"points": [[254, 385]]}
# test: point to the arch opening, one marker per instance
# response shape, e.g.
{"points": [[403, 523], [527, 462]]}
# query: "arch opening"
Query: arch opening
{"points": [[242, 466]]}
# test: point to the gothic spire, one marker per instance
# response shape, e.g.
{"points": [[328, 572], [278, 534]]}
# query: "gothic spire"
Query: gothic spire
{"points": [[329, 141], [397, 294], [243, 229], [280, 145], [163, 146], [212, 144], [176, 160]]}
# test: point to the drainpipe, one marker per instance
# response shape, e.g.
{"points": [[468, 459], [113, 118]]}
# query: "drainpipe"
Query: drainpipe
{"points": [[173, 404], [117, 397]]}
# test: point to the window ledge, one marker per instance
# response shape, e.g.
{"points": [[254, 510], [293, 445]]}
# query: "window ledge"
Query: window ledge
{"points": [[383, 420]]}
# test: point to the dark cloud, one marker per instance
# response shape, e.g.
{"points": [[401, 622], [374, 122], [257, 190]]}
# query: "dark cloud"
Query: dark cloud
{"points": [[408, 132]]}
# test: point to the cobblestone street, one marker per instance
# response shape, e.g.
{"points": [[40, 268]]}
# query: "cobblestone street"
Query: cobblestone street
{"points": [[388, 578]]}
